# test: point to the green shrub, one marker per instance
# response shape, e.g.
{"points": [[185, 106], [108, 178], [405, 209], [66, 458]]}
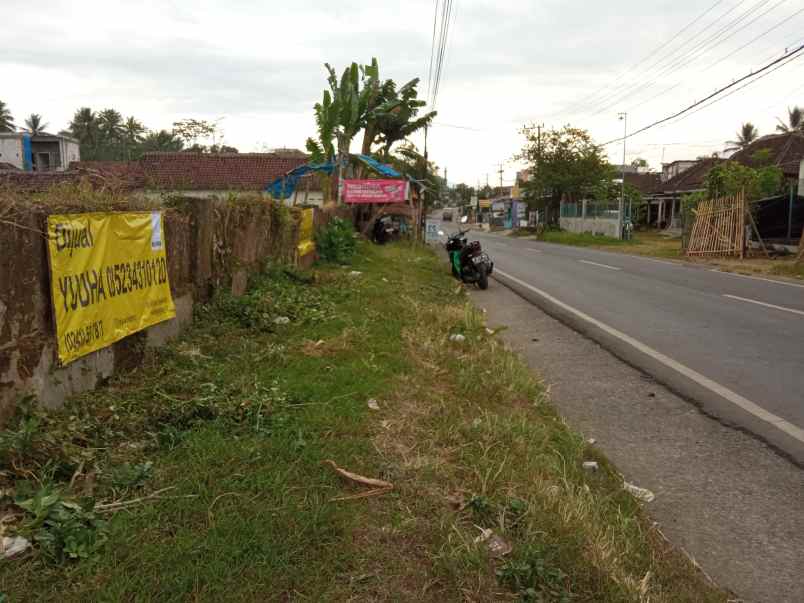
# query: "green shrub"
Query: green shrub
{"points": [[336, 242]]}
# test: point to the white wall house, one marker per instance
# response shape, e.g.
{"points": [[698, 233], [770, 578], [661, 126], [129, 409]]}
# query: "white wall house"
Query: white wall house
{"points": [[41, 153]]}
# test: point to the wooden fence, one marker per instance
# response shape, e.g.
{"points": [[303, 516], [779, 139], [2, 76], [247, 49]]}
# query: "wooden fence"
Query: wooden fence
{"points": [[719, 227]]}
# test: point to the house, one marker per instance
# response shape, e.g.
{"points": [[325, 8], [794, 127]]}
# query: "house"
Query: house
{"points": [[40, 153], [690, 179], [204, 174], [786, 151], [673, 169]]}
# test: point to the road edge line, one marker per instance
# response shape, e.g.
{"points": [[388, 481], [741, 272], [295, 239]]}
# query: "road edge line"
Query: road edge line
{"points": [[753, 409]]}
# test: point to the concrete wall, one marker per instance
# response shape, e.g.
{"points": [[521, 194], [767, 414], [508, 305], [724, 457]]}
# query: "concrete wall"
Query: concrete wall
{"points": [[598, 226], [11, 151], [211, 244]]}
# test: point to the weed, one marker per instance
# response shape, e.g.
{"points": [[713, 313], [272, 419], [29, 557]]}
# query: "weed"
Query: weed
{"points": [[130, 475], [335, 242], [534, 575], [63, 529]]}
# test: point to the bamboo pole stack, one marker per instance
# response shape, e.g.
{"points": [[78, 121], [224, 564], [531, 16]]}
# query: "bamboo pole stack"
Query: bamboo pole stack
{"points": [[719, 228]]}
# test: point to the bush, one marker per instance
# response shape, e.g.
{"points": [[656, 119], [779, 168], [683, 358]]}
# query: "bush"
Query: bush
{"points": [[336, 242]]}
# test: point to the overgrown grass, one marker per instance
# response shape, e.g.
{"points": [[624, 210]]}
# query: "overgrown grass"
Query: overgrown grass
{"points": [[238, 415], [585, 239]]}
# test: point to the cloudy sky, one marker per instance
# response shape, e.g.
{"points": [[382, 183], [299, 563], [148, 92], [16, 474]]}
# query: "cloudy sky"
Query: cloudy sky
{"points": [[259, 66]]}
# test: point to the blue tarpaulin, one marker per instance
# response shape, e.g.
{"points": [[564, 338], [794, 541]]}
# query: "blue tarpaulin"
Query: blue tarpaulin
{"points": [[284, 186], [380, 168]]}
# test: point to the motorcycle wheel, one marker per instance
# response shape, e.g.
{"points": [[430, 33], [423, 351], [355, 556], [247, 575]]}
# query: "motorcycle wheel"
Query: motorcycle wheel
{"points": [[483, 277]]}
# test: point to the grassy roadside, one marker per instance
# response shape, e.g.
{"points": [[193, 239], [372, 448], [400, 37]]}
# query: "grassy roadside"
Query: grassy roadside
{"points": [[643, 243], [653, 244], [238, 415]]}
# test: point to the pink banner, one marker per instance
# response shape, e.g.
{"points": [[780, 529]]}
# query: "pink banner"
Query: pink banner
{"points": [[374, 191]]}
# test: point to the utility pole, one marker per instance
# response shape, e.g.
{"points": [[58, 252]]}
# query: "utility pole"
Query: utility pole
{"points": [[500, 172], [624, 118], [790, 216], [425, 146]]}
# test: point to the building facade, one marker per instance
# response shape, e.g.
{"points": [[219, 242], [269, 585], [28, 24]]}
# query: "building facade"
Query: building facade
{"points": [[38, 153]]}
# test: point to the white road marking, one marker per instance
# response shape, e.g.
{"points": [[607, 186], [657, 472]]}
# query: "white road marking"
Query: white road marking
{"points": [[758, 278], [759, 303], [747, 405], [666, 262], [600, 265]]}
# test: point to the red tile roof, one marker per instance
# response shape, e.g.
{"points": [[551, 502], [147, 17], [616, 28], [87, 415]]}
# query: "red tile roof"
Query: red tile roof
{"points": [[197, 171], [647, 184], [691, 179]]}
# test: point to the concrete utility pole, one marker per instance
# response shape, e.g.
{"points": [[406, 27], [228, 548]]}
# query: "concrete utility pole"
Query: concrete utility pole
{"points": [[624, 118], [500, 172]]}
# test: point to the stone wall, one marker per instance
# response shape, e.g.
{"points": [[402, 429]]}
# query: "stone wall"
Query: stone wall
{"points": [[210, 244]]}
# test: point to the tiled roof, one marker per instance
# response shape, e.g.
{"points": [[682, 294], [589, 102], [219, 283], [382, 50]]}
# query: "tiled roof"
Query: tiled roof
{"points": [[200, 171], [690, 179], [647, 184], [8, 167], [786, 152], [197, 171]]}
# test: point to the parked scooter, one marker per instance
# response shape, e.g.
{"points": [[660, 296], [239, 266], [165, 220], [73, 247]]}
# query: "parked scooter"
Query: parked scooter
{"points": [[469, 262]]}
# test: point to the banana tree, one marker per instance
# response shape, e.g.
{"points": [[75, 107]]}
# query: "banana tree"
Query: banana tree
{"points": [[396, 118]]}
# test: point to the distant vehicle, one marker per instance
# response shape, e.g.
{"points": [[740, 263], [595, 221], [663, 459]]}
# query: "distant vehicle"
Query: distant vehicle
{"points": [[447, 215]]}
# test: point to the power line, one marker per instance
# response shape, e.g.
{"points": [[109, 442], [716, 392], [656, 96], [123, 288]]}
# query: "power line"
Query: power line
{"points": [[693, 54], [446, 15], [729, 55], [591, 97], [432, 49], [668, 58], [788, 57], [738, 89]]}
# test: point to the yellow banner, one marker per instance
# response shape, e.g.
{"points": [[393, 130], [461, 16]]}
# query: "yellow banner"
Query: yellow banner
{"points": [[306, 232], [109, 278]]}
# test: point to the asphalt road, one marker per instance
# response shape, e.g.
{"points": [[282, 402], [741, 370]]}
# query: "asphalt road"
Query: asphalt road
{"points": [[733, 345]]}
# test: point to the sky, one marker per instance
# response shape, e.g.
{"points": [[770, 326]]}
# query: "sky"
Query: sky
{"points": [[257, 67]]}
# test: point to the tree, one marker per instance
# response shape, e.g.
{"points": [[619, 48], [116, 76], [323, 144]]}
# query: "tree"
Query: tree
{"points": [[326, 117], [6, 120], [84, 127], [745, 136], [566, 164], [795, 123], [132, 134], [730, 178], [35, 124], [161, 141], [464, 193], [639, 162], [410, 162], [395, 116], [110, 127], [190, 130]]}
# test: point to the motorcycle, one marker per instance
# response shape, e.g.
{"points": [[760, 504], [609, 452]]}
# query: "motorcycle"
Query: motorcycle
{"points": [[469, 262]]}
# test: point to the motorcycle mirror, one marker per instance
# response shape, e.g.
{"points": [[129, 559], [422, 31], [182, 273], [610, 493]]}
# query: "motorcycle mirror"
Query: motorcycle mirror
{"points": [[464, 220]]}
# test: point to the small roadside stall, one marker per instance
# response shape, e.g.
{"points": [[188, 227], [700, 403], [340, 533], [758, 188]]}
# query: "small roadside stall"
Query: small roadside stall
{"points": [[385, 195]]}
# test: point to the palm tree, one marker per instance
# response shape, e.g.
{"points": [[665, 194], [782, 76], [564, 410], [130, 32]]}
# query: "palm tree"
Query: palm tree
{"points": [[6, 120], [132, 135], [35, 124], [745, 136], [84, 127], [162, 141], [110, 124], [795, 123]]}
